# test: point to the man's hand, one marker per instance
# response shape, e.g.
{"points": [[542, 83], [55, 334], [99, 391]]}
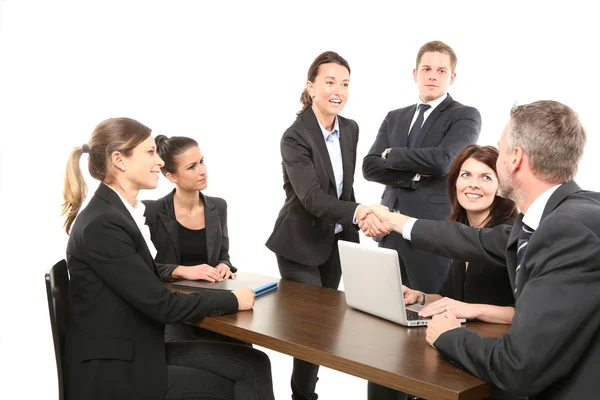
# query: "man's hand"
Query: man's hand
{"points": [[245, 298], [392, 221], [369, 223], [224, 271], [439, 324]]}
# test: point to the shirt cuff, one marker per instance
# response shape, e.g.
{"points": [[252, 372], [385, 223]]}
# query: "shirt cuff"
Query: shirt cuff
{"points": [[407, 228], [354, 221]]}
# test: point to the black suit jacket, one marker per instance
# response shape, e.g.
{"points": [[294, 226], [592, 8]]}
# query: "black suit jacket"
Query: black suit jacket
{"points": [[481, 283], [118, 307], [304, 230], [553, 348], [160, 218], [449, 129]]}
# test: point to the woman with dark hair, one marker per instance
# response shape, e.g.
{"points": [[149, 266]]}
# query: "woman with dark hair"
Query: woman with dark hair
{"points": [[118, 306], [472, 290], [188, 228], [318, 154]]}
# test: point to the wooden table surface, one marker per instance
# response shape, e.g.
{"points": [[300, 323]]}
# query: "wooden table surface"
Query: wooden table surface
{"points": [[316, 325]]}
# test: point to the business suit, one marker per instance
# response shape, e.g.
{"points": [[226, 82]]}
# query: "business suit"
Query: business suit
{"points": [[161, 219], [449, 128], [118, 308], [304, 237], [553, 348]]}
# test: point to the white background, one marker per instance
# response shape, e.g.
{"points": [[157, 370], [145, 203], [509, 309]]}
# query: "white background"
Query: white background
{"points": [[230, 73]]}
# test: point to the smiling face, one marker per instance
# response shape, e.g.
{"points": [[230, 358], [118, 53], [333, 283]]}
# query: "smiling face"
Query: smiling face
{"points": [[329, 91], [433, 75], [142, 166], [191, 170], [476, 188]]}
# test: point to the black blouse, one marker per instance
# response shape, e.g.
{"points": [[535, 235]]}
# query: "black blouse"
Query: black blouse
{"points": [[192, 245], [481, 283]]}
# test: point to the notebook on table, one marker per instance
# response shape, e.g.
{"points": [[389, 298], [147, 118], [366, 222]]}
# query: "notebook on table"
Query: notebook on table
{"points": [[373, 284], [260, 284]]}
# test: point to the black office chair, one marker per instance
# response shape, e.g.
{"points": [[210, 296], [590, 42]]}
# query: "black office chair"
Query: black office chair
{"points": [[57, 288]]}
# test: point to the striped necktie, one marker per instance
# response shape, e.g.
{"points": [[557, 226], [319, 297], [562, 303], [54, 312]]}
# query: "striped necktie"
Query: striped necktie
{"points": [[524, 236]]}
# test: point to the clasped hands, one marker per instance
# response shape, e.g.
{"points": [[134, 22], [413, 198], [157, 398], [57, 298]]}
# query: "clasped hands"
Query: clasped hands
{"points": [[376, 220]]}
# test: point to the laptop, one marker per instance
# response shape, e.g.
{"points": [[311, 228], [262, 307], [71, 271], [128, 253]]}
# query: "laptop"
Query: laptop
{"points": [[373, 284]]}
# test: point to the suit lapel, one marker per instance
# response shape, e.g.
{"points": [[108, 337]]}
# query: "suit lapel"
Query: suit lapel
{"points": [[211, 220], [558, 196], [314, 130], [167, 217], [511, 249], [554, 201], [431, 120], [406, 121], [347, 158], [113, 198]]}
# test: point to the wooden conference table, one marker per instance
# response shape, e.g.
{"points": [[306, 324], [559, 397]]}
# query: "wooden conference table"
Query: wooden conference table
{"points": [[316, 325]]}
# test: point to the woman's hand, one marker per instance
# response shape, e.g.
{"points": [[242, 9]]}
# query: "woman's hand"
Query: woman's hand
{"points": [[245, 298], [224, 271], [411, 296], [445, 304], [197, 272]]}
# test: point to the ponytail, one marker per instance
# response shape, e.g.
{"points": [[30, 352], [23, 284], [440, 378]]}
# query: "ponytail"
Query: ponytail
{"points": [[75, 189], [306, 101]]}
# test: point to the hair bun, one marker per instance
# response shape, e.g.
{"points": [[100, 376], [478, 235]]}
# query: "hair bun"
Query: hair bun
{"points": [[161, 140]]}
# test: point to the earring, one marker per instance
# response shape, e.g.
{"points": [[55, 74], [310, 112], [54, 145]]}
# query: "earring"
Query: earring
{"points": [[123, 168]]}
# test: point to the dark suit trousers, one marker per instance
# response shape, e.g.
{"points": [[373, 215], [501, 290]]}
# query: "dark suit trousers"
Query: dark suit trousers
{"points": [[304, 374], [211, 370]]}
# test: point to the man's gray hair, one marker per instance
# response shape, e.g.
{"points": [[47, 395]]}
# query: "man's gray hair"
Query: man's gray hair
{"points": [[551, 135]]}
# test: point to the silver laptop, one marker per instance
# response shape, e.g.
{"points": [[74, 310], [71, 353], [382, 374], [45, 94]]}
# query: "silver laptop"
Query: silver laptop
{"points": [[373, 284]]}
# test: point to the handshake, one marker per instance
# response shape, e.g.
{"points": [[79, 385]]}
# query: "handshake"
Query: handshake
{"points": [[377, 220]]}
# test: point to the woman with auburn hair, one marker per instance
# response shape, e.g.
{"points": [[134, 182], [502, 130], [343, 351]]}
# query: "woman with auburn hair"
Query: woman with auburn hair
{"points": [[118, 306], [472, 290]]}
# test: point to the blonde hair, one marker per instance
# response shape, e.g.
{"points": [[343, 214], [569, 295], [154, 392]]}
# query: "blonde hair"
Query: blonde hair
{"points": [[113, 134]]}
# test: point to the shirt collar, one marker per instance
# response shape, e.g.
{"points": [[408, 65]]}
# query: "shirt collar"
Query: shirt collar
{"points": [[433, 103], [137, 210], [336, 128], [533, 217]]}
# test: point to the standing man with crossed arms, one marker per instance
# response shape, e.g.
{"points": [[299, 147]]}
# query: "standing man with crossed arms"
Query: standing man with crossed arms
{"points": [[413, 152]]}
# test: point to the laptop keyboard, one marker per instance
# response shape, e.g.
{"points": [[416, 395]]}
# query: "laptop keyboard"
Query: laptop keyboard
{"points": [[414, 316]]}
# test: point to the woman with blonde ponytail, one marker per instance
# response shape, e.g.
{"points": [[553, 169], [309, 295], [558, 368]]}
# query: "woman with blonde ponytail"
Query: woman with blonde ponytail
{"points": [[75, 189], [118, 306]]}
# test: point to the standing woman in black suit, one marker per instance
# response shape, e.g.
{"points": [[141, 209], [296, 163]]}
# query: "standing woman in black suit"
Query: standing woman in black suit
{"points": [[188, 228], [318, 154], [118, 306]]}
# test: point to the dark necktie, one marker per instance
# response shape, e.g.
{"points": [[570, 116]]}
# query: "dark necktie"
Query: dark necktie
{"points": [[415, 131], [524, 236]]}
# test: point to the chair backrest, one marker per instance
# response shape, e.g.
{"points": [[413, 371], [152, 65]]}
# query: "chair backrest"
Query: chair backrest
{"points": [[57, 288]]}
